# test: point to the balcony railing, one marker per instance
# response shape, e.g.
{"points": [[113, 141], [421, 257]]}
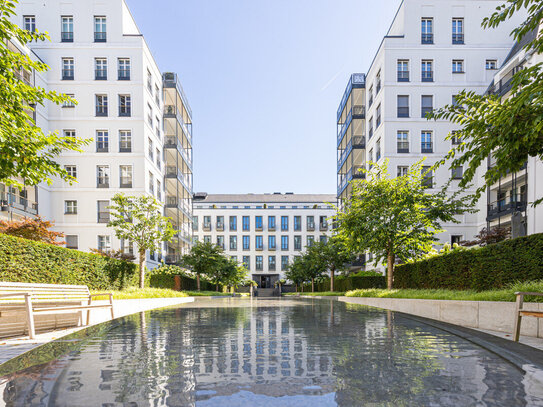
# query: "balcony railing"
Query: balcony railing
{"points": [[359, 111], [458, 38], [311, 227], [19, 202], [503, 207], [427, 76], [123, 75], [323, 226], [357, 80], [100, 36], [427, 39], [171, 110], [403, 76], [100, 74], [67, 36], [220, 226], [67, 74]]}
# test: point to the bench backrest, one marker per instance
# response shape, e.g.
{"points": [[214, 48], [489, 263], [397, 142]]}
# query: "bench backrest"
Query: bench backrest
{"points": [[43, 292]]}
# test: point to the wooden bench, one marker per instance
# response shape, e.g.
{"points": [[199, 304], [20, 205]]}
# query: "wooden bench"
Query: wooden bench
{"points": [[47, 299], [520, 312]]}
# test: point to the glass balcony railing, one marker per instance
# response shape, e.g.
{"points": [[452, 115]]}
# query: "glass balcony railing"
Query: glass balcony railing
{"points": [[9, 201]]}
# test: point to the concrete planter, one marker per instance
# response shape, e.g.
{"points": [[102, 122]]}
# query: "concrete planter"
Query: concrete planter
{"points": [[491, 315]]}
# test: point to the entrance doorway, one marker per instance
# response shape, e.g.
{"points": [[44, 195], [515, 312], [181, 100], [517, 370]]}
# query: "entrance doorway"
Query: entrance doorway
{"points": [[265, 282]]}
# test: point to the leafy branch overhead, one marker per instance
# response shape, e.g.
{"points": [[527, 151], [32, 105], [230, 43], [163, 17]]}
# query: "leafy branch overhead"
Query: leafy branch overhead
{"points": [[26, 152]]}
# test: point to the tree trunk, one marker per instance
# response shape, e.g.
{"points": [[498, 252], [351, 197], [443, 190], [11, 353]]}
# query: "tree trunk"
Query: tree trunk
{"points": [[217, 287], [312, 285], [198, 282], [142, 269], [296, 285], [302, 287], [332, 272], [390, 269]]}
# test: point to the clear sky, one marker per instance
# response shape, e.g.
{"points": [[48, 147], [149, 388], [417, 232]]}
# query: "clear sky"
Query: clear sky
{"points": [[264, 79]]}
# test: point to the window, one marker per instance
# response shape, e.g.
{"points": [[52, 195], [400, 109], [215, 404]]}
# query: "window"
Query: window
{"points": [[233, 222], [70, 207], [158, 190], [233, 243], [272, 243], [157, 127], [125, 172], [457, 30], [220, 222], [125, 106], [103, 211], [127, 247], [246, 243], [259, 242], [427, 30], [195, 223], [426, 142], [150, 148], [403, 70], [427, 71], [370, 158], [220, 242], [207, 222], [378, 82], [150, 115], [67, 69], [149, 81], [71, 170], [402, 170], [297, 242], [247, 262], [284, 223], [378, 116], [104, 243], [246, 223], [100, 69], [323, 223], [29, 23], [427, 105], [310, 223], [157, 95], [124, 69], [102, 176], [69, 133], [456, 239], [102, 141], [491, 64], [271, 222], [284, 263], [427, 177], [403, 106], [157, 155], [100, 29], [125, 141], [454, 101], [370, 125], [458, 66], [284, 242], [101, 105], [66, 29], [310, 241], [207, 239], [69, 103], [271, 263], [151, 183], [457, 172], [455, 139], [72, 242], [258, 223], [259, 263], [402, 141], [297, 223], [370, 96]]}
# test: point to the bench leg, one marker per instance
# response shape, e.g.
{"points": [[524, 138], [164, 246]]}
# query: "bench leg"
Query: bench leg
{"points": [[30, 317], [518, 318]]}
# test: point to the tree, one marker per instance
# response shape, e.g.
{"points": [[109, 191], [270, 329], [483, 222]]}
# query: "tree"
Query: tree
{"points": [[488, 236], [233, 273], [34, 229], [395, 218], [508, 129], [137, 219], [204, 258], [314, 262], [25, 151], [296, 272], [334, 254]]}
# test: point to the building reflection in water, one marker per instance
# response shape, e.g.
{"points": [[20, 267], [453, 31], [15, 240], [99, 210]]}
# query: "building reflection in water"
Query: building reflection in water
{"points": [[281, 352]]}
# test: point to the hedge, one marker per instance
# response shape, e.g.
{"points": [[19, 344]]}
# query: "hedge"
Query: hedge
{"points": [[163, 277], [348, 283], [485, 268], [28, 261]]}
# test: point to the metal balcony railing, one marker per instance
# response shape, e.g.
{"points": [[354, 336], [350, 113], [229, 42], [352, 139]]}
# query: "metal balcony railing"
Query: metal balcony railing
{"points": [[458, 38], [100, 74], [323, 226], [13, 201], [100, 36], [67, 36], [427, 76], [123, 74], [403, 76], [427, 39]]}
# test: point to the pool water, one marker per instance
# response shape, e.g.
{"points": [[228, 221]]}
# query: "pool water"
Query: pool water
{"points": [[283, 352]]}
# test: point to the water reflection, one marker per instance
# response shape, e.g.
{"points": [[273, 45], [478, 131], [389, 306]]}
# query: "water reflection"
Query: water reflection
{"points": [[242, 352]]}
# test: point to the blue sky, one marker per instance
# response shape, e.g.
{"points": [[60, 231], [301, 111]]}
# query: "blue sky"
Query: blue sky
{"points": [[264, 79]]}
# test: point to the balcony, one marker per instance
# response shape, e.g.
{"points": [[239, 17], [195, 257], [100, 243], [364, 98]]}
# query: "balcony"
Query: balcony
{"points": [[357, 80], [359, 111], [503, 207], [67, 36], [172, 258], [10, 201], [171, 111], [173, 142]]}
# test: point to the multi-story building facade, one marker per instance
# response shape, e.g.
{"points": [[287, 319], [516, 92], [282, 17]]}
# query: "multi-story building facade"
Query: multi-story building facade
{"points": [[431, 52], [263, 231], [98, 56]]}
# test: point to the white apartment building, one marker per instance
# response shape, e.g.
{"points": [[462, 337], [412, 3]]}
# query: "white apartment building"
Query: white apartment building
{"points": [[263, 231], [98, 56], [432, 51]]}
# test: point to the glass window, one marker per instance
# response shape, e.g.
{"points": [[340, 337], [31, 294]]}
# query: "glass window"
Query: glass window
{"points": [[102, 141], [284, 223], [104, 243], [125, 172], [258, 222], [378, 116], [246, 243], [220, 241], [370, 127], [403, 70], [297, 242], [195, 223], [271, 222], [323, 238], [247, 262], [207, 239], [271, 243], [66, 29], [457, 30], [457, 172], [151, 183], [101, 105], [29, 23], [297, 223], [402, 141], [491, 64], [124, 69], [427, 105], [271, 263], [220, 222], [71, 170], [378, 82], [207, 222], [125, 141], [427, 71], [458, 66], [403, 106], [310, 241], [100, 29], [455, 139], [378, 150], [68, 69], [284, 263], [259, 242], [72, 242], [103, 211], [310, 223], [150, 148], [125, 106], [246, 223], [233, 243], [426, 145], [70, 207], [427, 176], [100, 69], [284, 242], [69, 103], [259, 263], [427, 30], [402, 170], [233, 222]]}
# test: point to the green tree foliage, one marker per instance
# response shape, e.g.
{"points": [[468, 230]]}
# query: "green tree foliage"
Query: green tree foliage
{"points": [[232, 273], [396, 218], [296, 272], [205, 259], [510, 129], [334, 255], [25, 151], [138, 219]]}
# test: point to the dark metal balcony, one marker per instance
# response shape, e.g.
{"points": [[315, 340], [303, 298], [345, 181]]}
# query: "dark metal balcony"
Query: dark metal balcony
{"points": [[403, 76], [101, 111], [427, 76], [123, 75], [503, 207], [125, 111], [67, 36], [458, 39], [100, 74], [67, 74], [427, 39], [426, 148], [100, 36], [359, 111], [357, 80]]}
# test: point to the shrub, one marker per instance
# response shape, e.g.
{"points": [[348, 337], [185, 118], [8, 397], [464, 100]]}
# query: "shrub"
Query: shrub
{"points": [[27, 261], [342, 283], [163, 277], [485, 268]]}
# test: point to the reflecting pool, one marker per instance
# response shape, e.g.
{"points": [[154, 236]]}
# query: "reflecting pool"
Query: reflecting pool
{"points": [[287, 352]]}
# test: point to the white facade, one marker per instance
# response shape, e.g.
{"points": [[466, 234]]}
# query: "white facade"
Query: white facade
{"points": [[432, 51], [97, 52], [244, 226]]}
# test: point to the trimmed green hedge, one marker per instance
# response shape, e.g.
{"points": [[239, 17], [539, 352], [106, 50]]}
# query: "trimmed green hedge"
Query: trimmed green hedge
{"points": [[163, 277], [28, 261], [491, 267], [342, 283]]}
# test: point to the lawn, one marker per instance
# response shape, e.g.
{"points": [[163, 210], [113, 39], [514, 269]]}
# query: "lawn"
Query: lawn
{"points": [[137, 293], [507, 294]]}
